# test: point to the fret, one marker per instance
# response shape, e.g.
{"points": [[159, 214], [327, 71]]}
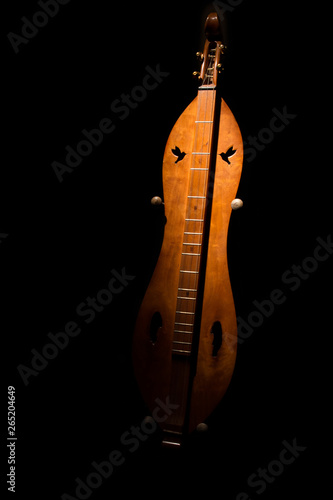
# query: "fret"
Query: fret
{"points": [[191, 225], [194, 226], [188, 295], [179, 351], [184, 312], [184, 298], [180, 342], [207, 87], [191, 265], [193, 244]]}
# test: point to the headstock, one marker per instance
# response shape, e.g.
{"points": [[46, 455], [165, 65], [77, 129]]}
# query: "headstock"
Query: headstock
{"points": [[211, 57]]}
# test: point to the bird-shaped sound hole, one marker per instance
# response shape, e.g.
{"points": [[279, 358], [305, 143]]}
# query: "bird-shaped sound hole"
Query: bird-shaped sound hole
{"points": [[225, 156], [178, 153]]}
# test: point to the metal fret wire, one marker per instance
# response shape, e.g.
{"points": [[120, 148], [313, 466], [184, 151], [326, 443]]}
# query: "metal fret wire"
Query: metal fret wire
{"points": [[186, 279], [179, 383]]}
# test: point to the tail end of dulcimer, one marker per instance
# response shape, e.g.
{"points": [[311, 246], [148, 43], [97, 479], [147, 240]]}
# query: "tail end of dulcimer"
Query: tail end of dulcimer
{"points": [[185, 337]]}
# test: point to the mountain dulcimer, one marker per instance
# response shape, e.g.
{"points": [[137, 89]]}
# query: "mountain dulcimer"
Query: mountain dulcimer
{"points": [[185, 338]]}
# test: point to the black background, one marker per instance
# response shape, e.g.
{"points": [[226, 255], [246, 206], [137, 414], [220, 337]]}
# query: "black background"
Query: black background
{"points": [[65, 238]]}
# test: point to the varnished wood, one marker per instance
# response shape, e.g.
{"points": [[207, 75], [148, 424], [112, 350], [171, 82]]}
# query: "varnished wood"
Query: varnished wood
{"points": [[153, 362], [213, 374], [212, 27], [190, 288]]}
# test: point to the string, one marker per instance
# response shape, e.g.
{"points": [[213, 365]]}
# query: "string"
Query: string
{"points": [[186, 281], [189, 281]]}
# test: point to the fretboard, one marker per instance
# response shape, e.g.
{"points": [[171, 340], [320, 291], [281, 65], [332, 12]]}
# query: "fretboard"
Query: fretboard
{"points": [[194, 224]]}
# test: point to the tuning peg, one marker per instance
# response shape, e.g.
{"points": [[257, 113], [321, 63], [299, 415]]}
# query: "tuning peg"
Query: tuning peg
{"points": [[156, 200], [236, 204], [200, 56], [219, 67], [196, 74], [202, 428]]}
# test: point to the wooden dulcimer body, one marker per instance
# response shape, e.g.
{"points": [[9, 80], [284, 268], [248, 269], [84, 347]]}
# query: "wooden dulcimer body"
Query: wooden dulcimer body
{"points": [[185, 338]]}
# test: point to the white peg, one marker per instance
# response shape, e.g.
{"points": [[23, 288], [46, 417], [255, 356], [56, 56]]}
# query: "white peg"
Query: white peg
{"points": [[156, 201], [202, 427], [236, 204]]}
